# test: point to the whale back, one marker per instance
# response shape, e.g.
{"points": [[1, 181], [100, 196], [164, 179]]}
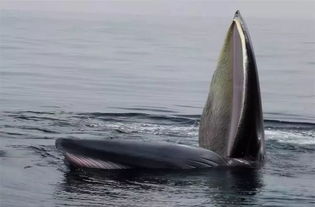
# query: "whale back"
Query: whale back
{"points": [[232, 122]]}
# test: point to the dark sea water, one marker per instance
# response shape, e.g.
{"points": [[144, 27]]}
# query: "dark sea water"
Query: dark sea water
{"points": [[146, 77]]}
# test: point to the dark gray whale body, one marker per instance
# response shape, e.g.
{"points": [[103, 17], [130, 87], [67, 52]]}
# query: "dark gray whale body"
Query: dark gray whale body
{"points": [[231, 129]]}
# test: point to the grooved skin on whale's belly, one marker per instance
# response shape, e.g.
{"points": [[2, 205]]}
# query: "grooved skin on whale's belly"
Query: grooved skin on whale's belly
{"points": [[86, 162]]}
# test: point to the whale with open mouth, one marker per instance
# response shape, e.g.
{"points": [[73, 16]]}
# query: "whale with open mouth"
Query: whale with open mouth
{"points": [[231, 131]]}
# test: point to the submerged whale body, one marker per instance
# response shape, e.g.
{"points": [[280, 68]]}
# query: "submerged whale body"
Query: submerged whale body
{"points": [[231, 129]]}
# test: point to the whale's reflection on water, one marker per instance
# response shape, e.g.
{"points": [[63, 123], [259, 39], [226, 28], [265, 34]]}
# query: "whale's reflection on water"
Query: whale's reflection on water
{"points": [[218, 187]]}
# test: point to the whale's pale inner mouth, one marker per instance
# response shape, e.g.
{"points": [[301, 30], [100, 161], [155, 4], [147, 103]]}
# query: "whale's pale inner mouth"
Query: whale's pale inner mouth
{"points": [[87, 162]]}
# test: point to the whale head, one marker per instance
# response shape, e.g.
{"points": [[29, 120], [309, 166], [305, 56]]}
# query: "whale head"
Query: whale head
{"points": [[232, 121]]}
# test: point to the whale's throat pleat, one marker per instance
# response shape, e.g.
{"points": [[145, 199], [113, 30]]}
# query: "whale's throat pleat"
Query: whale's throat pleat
{"points": [[89, 162], [231, 122], [215, 124]]}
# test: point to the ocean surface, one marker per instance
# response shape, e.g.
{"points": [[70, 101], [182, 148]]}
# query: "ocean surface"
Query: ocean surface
{"points": [[146, 77]]}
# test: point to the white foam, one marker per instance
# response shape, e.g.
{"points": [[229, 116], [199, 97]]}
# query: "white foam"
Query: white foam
{"points": [[292, 137]]}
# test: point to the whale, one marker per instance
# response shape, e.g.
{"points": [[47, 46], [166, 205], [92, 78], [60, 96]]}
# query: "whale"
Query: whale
{"points": [[231, 131]]}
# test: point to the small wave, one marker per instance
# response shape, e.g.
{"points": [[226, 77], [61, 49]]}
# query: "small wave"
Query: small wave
{"points": [[161, 110], [171, 116], [289, 125], [290, 118], [133, 116], [43, 151], [2, 153], [182, 127]]}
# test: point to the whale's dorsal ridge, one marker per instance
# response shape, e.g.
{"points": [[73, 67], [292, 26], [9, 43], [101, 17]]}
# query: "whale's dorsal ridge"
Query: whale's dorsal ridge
{"points": [[232, 122]]}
